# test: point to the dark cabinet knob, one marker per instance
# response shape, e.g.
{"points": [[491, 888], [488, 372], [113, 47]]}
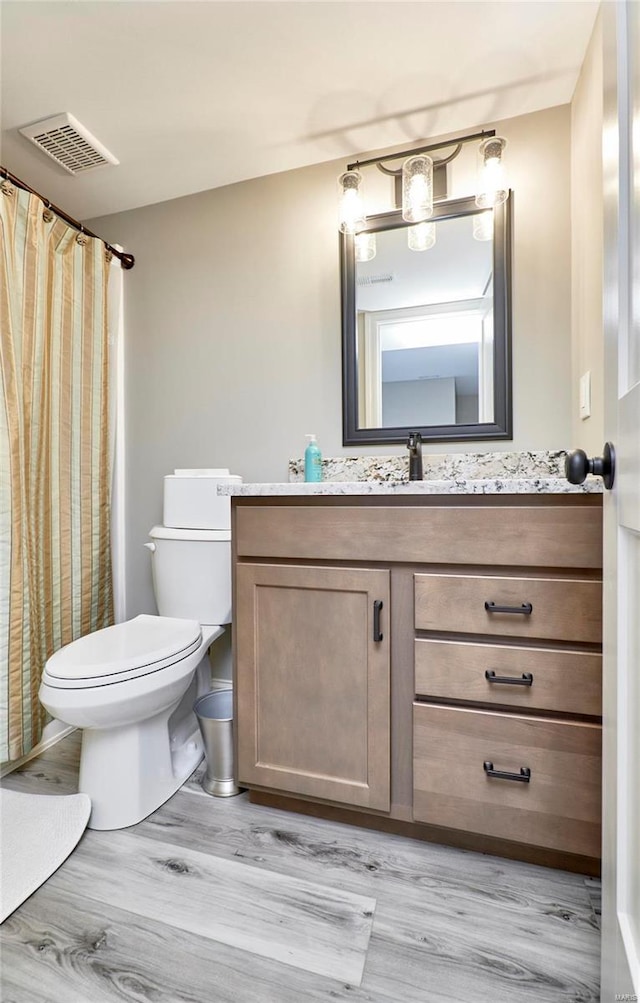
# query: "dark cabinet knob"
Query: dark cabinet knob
{"points": [[577, 465]]}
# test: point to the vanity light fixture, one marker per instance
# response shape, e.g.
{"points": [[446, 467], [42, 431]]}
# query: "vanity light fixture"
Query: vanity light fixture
{"points": [[351, 206], [422, 236], [417, 180], [492, 186], [483, 225], [417, 188], [365, 246]]}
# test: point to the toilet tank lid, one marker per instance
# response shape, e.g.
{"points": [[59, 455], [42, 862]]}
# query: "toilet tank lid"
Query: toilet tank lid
{"points": [[210, 535], [143, 641], [221, 474]]}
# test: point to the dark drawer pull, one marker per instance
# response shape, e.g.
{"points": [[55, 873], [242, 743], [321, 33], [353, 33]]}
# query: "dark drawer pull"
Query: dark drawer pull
{"points": [[377, 633], [524, 776], [526, 679], [525, 608]]}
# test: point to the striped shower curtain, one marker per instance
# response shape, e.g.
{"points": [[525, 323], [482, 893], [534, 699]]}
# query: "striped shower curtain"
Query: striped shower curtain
{"points": [[55, 573]]}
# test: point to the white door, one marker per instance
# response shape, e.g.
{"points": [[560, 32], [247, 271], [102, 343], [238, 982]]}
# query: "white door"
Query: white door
{"points": [[621, 722]]}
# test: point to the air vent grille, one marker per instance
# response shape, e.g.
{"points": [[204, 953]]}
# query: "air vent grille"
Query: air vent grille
{"points": [[374, 280], [66, 141]]}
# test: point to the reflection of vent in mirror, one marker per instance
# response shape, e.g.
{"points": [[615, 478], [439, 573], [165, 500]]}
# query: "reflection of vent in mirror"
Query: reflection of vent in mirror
{"points": [[66, 141], [372, 280]]}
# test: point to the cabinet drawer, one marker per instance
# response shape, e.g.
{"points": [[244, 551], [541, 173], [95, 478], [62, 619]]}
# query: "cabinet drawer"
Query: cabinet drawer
{"points": [[566, 681], [563, 535], [561, 609], [558, 808]]}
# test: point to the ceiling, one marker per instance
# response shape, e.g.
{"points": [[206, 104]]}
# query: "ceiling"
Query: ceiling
{"points": [[191, 95], [456, 268]]}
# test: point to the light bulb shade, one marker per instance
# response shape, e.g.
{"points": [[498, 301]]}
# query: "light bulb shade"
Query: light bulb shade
{"points": [[483, 225], [421, 237], [351, 205], [492, 186], [365, 246], [417, 188]]}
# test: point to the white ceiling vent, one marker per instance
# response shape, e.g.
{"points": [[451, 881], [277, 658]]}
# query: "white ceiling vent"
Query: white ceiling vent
{"points": [[67, 142]]}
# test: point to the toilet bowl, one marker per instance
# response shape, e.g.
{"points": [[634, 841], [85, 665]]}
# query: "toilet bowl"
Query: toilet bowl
{"points": [[131, 687], [124, 685]]}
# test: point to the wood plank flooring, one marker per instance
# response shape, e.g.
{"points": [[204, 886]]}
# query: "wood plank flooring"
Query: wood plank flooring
{"points": [[139, 914], [316, 927]]}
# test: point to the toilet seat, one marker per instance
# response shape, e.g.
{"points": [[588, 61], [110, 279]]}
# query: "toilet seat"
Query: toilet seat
{"points": [[137, 647]]}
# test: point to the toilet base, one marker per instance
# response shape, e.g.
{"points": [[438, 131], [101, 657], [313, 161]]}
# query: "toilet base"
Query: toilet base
{"points": [[129, 772]]}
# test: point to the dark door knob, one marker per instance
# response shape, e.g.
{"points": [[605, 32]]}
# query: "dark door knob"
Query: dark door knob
{"points": [[577, 465]]}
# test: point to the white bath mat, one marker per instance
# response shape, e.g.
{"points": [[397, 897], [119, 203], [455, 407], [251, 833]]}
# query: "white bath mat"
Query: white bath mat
{"points": [[37, 834]]}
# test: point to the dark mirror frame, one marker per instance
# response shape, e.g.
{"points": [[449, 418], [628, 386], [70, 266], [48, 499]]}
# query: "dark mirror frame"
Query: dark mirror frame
{"points": [[501, 427]]}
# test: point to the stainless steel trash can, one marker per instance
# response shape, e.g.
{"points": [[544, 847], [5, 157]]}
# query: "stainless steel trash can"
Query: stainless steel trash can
{"points": [[215, 716]]}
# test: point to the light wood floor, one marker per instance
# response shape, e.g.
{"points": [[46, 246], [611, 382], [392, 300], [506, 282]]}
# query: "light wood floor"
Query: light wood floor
{"points": [[215, 900]]}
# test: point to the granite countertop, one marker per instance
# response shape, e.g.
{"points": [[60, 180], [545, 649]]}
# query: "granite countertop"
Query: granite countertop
{"points": [[489, 473], [459, 485]]}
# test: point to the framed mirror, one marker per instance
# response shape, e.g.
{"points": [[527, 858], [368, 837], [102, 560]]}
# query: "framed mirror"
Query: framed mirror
{"points": [[426, 334]]}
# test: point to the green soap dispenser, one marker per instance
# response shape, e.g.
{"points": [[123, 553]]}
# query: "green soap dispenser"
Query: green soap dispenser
{"points": [[312, 461]]}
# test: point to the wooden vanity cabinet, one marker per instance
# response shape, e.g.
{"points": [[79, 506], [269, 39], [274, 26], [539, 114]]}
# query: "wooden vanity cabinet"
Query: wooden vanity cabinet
{"points": [[401, 726]]}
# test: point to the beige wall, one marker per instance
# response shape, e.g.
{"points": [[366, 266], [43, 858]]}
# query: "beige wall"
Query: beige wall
{"points": [[232, 323], [587, 247]]}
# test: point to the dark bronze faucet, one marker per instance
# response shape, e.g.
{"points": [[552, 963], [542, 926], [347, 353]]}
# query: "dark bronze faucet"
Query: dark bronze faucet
{"points": [[414, 445]]}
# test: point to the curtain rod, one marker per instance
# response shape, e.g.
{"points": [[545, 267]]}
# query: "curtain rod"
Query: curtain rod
{"points": [[126, 260]]}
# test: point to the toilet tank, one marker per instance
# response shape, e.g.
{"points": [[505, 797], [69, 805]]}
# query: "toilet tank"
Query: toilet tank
{"points": [[191, 499], [192, 573]]}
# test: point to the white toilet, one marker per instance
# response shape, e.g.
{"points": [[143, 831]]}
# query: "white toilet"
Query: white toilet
{"points": [[131, 687]]}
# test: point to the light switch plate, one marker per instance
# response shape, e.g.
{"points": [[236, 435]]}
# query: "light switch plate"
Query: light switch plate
{"points": [[585, 395]]}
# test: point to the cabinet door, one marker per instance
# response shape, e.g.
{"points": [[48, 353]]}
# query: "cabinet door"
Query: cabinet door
{"points": [[313, 681]]}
